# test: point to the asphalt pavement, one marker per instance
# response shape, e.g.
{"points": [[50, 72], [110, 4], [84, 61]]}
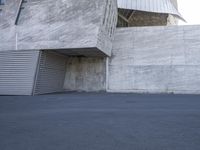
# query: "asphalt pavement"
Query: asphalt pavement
{"points": [[100, 121]]}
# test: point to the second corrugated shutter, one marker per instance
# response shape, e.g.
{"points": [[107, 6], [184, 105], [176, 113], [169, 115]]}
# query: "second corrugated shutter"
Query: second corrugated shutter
{"points": [[51, 73]]}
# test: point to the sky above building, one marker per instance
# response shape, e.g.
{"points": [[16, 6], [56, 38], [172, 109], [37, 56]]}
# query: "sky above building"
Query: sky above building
{"points": [[190, 10]]}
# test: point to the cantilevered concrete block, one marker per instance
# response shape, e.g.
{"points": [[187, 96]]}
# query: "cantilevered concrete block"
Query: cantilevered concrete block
{"points": [[75, 27]]}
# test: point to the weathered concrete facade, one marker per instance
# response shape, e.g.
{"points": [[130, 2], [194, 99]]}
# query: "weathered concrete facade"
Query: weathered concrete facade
{"points": [[68, 44], [66, 25], [85, 74], [156, 60]]}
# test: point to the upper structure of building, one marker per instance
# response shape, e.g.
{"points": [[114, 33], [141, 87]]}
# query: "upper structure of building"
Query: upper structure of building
{"points": [[77, 27], [147, 12]]}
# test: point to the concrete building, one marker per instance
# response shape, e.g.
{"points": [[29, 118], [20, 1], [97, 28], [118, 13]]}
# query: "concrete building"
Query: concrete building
{"points": [[53, 46]]}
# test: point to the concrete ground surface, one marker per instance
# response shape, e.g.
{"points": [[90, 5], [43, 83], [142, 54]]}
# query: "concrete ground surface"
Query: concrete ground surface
{"points": [[100, 121]]}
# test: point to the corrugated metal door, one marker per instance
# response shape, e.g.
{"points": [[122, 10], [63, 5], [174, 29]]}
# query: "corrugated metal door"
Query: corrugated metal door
{"points": [[51, 73], [17, 72]]}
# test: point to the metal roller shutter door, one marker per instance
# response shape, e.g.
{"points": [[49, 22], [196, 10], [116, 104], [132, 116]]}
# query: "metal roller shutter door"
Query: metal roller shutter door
{"points": [[51, 73], [17, 72]]}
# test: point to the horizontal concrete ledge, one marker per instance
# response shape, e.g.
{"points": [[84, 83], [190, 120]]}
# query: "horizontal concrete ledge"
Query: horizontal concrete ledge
{"points": [[90, 51], [85, 52]]}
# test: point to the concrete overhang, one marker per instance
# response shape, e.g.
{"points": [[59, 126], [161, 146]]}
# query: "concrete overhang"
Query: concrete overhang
{"points": [[71, 26], [83, 52]]}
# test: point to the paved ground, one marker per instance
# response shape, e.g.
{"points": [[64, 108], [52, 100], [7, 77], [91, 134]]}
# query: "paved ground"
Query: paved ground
{"points": [[91, 121]]}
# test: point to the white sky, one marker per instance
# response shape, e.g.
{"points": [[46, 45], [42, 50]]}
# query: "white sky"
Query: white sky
{"points": [[190, 10]]}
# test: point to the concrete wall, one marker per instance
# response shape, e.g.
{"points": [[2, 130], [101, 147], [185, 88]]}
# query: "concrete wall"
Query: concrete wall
{"points": [[108, 26], [85, 74], [50, 24], [156, 60]]}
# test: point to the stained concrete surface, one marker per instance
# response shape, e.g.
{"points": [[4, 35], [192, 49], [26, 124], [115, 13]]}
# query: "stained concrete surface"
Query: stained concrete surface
{"points": [[62, 24], [156, 60], [85, 74], [100, 121]]}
